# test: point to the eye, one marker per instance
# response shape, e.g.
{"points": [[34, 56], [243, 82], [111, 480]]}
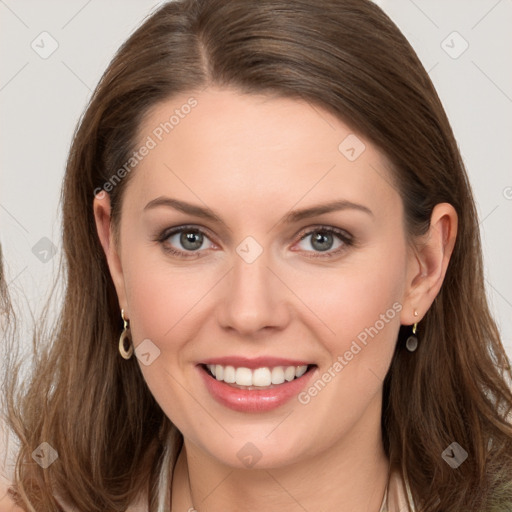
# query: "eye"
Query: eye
{"points": [[325, 241], [191, 241], [185, 241]]}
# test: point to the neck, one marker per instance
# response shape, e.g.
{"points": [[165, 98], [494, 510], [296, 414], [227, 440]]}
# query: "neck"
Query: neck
{"points": [[351, 475]]}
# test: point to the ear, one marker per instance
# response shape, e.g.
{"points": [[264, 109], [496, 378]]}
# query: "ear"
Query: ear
{"points": [[101, 207], [428, 262]]}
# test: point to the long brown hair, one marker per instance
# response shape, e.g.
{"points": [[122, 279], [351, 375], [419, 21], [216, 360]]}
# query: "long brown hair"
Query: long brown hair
{"points": [[348, 57]]}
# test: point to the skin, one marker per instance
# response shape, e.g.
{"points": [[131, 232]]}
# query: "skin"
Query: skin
{"points": [[252, 159], [6, 504]]}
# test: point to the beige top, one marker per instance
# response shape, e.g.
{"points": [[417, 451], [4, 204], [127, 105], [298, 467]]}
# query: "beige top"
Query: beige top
{"points": [[395, 499]]}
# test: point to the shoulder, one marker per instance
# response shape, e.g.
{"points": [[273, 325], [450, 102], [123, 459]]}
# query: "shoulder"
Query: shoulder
{"points": [[6, 504]]}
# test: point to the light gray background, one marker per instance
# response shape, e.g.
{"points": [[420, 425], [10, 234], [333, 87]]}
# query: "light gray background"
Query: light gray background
{"points": [[41, 100]]}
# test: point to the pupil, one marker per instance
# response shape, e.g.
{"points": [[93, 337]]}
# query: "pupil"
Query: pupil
{"points": [[191, 240], [322, 238]]}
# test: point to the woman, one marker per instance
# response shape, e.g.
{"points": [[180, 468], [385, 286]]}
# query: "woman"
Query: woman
{"points": [[275, 292]]}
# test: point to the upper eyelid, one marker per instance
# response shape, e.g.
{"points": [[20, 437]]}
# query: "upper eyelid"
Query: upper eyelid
{"points": [[166, 233], [320, 227]]}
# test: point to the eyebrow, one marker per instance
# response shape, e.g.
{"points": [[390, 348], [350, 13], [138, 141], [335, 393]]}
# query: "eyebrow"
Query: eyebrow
{"points": [[291, 217], [342, 204]]}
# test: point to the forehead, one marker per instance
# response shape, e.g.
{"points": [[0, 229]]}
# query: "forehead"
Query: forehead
{"points": [[226, 146]]}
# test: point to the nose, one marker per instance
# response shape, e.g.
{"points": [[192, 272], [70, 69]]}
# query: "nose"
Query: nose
{"points": [[253, 300]]}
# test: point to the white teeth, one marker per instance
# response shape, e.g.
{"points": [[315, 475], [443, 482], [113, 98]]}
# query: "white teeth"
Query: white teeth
{"points": [[300, 371], [229, 375], [260, 377], [277, 375], [243, 377], [289, 373]]}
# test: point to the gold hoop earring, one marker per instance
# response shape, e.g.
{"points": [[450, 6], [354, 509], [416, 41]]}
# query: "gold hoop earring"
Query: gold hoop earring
{"points": [[126, 353]]}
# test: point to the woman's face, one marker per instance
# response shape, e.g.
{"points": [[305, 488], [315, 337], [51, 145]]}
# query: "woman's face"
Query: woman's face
{"points": [[263, 274]]}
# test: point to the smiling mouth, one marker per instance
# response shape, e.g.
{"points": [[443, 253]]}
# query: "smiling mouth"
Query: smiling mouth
{"points": [[257, 379]]}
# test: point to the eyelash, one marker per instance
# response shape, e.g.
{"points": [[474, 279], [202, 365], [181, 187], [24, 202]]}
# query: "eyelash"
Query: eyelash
{"points": [[342, 235]]}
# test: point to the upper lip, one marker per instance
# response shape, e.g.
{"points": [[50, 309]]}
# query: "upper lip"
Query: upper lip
{"points": [[256, 362]]}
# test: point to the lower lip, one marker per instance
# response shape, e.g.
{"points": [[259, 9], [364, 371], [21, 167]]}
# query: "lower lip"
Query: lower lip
{"points": [[244, 400]]}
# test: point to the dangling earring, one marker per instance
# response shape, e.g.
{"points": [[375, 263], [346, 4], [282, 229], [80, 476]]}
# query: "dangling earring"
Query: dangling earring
{"points": [[126, 353], [412, 340]]}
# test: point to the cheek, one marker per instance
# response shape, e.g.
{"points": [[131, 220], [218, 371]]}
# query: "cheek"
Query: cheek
{"points": [[159, 293], [161, 300], [162, 305], [360, 303], [353, 296]]}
